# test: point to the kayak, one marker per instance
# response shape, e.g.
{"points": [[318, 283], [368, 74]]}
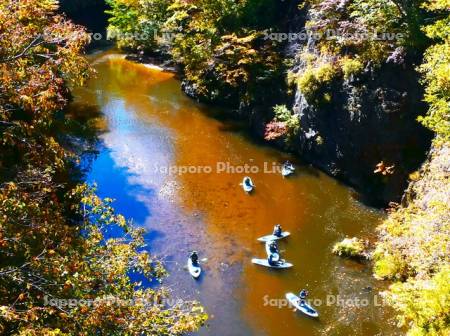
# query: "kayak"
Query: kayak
{"points": [[304, 307], [247, 184], [284, 234], [287, 170], [264, 262], [194, 270], [276, 256]]}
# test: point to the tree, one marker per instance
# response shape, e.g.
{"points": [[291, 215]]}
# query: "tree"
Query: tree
{"points": [[436, 71], [59, 274]]}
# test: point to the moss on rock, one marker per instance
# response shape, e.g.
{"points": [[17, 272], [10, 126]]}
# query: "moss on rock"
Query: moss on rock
{"points": [[350, 248]]}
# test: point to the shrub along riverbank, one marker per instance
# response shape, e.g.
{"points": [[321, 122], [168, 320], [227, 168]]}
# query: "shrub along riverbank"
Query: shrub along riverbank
{"points": [[222, 48], [52, 247], [414, 246]]}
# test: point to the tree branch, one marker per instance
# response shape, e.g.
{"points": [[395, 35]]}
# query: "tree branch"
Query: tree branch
{"points": [[36, 42]]}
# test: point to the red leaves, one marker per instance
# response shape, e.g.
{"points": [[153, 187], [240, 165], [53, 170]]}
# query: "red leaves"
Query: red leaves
{"points": [[382, 168], [275, 129]]}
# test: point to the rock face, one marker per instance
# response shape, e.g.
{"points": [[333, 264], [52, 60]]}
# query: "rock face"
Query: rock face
{"points": [[370, 119]]}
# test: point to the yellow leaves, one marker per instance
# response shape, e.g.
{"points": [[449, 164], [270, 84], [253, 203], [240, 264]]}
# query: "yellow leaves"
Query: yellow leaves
{"points": [[26, 100], [68, 285], [414, 176], [64, 316], [436, 72], [121, 221], [350, 247], [128, 3], [413, 246], [316, 77], [54, 332], [8, 314], [435, 5], [351, 66], [32, 78], [424, 304], [64, 259], [198, 309]]}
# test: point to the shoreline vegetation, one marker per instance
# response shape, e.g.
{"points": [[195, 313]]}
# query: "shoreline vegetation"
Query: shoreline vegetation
{"points": [[52, 242], [224, 60]]}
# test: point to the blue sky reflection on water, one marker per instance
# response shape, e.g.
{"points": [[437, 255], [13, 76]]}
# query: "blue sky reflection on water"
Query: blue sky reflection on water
{"points": [[149, 122]]}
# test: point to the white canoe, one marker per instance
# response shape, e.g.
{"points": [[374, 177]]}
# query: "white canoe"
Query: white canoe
{"points": [[276, 256], [284, 234], [247, 184], [304, 307], [194, 270], [264, 262]]}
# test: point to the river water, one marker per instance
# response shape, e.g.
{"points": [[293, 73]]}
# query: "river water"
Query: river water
{"points": [[151, 132]]}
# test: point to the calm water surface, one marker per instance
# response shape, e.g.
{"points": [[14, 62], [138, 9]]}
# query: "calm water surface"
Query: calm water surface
{"points": [[151, 126]]}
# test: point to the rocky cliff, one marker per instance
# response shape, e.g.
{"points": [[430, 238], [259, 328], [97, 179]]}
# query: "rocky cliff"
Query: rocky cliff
{"points": [[370, 119]]}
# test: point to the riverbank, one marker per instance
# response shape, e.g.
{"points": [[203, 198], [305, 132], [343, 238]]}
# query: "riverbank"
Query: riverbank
{"points": [[413, 247]]}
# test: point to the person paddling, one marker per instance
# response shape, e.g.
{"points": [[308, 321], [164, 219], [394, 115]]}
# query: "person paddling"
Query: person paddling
{"points": [[302, 295], [194, 258], [288, 165], [273, 247], [277, 231], [248, 181], [272, 261]]}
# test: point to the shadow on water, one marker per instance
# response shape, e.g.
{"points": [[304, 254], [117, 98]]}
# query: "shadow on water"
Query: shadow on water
{"points": [[229, 124]]}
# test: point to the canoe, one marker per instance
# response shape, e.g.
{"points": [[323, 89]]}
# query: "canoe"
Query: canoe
{"points": [[284, 234], [194, 270], [264, 262], [276, 256], [247, 184], [304, 307]]}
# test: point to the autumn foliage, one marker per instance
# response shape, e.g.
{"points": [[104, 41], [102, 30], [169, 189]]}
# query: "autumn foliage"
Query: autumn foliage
{"points": [[52, 243]]}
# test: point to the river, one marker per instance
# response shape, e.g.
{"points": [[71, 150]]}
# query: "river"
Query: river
{"points": [[151, 132]]}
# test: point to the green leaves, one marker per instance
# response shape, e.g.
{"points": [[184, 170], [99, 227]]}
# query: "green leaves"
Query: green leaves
{"points": [[222, 57], [413, 250], [424, 304], [436, 73], [136, 24]]}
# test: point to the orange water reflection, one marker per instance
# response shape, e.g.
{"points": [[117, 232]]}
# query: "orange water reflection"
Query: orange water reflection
{"points": [[152, 126]]}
